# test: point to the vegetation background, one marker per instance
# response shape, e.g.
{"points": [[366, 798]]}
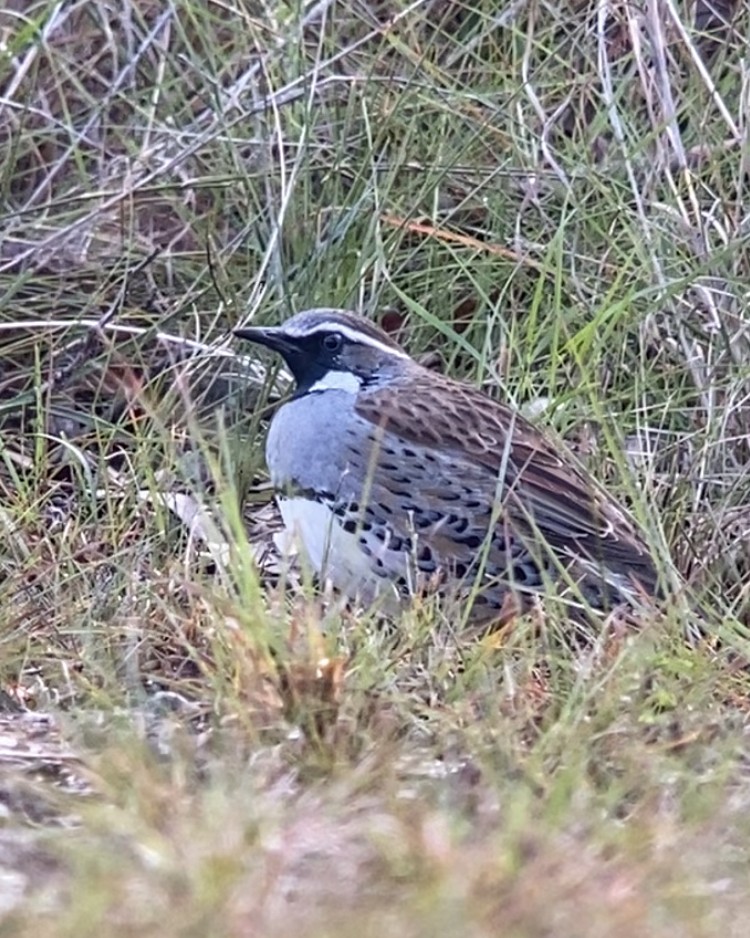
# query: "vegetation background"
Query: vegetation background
{"points": [[547, 198]]}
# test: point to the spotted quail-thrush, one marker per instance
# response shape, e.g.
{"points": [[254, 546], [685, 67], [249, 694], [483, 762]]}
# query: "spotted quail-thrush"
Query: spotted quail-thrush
{"points": [[396, 479]]}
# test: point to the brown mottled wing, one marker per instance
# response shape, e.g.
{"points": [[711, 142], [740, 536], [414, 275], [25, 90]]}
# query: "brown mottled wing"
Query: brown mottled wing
{"points": [[543, 489]]}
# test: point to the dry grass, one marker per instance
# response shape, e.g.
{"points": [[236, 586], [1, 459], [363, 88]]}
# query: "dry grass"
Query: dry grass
{"points": [[552, 198]]}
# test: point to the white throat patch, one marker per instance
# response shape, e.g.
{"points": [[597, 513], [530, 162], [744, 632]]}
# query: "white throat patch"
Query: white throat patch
{"points": [[337, 381]]}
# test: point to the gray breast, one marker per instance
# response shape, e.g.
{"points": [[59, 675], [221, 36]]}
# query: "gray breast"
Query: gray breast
{"points": [[317, 456], [306, 443]]}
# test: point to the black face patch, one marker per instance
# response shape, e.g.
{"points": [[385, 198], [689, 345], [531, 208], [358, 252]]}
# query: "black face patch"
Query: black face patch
{"points": [[311, 357]]}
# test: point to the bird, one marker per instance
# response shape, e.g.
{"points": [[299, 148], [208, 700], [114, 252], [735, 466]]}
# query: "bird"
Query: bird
{"points": [[397, 481]]}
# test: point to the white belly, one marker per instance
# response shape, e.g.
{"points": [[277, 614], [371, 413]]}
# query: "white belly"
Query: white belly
{"points": [[335, 554]]}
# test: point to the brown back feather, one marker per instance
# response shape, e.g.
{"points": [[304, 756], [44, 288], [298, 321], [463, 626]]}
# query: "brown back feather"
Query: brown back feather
{"points": [[543, 489]]}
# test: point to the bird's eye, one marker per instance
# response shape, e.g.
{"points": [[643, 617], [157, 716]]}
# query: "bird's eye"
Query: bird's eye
{"points": [[332, 342]]}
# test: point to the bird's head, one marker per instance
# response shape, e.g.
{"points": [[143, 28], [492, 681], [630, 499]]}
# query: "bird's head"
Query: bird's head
{"points": [[329, 349]]}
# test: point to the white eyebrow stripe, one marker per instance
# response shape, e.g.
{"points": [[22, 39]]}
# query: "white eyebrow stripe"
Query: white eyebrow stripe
{"points": [[354, 335]]}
